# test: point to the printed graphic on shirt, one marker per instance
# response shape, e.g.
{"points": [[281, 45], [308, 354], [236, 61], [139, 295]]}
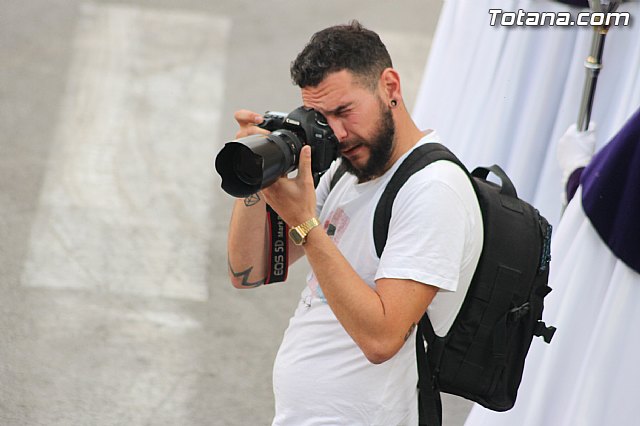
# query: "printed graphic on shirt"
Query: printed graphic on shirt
{"points": [[316, 291], [336, 224]]}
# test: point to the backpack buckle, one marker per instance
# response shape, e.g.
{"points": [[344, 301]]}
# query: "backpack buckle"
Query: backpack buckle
{"points": [[545, 332]]}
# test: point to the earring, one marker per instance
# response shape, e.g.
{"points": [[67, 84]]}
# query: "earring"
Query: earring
{"points": [[394, 103]]}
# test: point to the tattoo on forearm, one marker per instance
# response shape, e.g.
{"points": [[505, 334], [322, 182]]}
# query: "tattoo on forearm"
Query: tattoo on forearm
{"points": [[245, 277], [409, 332], [252, 200]]}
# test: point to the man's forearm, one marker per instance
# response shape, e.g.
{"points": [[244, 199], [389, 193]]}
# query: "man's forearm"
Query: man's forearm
{"points": [[356, 305], [379, 321], [247, 242]]}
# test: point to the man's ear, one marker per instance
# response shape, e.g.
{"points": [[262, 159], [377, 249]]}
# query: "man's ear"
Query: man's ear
{"points": [[390, 85]]}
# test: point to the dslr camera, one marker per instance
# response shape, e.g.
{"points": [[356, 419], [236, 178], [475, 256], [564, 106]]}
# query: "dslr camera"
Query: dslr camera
{"points": [[249, 164]]}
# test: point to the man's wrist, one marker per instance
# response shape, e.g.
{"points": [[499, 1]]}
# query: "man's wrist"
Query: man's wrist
{"points": [[252, 200], [298, 233]]}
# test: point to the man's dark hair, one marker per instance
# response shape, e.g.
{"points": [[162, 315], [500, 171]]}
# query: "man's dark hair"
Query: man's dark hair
{"points": [[349, 47]]}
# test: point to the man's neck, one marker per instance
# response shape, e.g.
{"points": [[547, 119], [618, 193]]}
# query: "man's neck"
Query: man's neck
{"points": [[407, 136]]}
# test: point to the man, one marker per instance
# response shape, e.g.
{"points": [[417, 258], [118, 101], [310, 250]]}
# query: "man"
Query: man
{"points": [[348, 355]]}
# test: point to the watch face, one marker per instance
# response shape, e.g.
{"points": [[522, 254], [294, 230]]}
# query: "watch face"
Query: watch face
{"points": [[296, 237]]}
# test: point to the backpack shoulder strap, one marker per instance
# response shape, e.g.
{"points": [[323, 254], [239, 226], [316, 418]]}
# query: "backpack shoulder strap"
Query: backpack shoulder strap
{"points": [[417, 160], [429, 403]]}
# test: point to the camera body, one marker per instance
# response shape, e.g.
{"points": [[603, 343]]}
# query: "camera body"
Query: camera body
{"points": [[249, 164], [311, 127]]}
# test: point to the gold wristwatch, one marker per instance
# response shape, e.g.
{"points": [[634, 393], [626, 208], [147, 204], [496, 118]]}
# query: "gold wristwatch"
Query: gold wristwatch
{"points": [[298, 234]]}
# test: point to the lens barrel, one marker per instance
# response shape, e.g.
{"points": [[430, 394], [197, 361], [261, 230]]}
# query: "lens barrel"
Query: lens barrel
{"points": [[249, 164]]}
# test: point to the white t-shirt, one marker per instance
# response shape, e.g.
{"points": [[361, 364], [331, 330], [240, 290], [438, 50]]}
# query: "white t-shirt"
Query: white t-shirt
{"points": [[320, 376]]}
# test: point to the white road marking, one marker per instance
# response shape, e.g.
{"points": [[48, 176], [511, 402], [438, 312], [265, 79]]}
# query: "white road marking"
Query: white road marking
{"points": [[127, 200]]}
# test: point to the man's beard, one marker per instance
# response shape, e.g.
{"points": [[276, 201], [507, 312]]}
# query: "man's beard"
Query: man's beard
{"points": [[380, 148]]}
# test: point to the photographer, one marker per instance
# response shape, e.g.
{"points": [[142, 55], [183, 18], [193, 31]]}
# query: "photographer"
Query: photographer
{"points": [[348, 355]]}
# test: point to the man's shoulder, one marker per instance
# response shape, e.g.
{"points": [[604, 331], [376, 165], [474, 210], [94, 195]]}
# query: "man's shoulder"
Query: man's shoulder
{"points": [[441, 172], [440, 182]]}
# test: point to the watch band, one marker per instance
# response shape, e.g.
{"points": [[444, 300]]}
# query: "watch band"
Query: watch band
{"points": [[299, 233]]}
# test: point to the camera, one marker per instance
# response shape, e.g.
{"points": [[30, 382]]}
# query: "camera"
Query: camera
{"points": [[249, 164]]}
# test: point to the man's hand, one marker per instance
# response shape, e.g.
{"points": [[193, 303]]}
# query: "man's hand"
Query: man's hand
{"points": [[575, 148], [574, 151], [294, 199]]}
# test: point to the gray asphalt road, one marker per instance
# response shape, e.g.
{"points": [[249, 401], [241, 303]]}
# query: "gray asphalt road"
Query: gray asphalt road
{"points": [[115, 306]]}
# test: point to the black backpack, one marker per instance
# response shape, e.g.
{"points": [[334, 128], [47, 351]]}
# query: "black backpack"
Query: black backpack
{"points": [[482, 356]]}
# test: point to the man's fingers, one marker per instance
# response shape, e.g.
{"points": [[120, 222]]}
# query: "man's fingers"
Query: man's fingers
{"points": [[304, 165], [247, 121], [245, 117]]}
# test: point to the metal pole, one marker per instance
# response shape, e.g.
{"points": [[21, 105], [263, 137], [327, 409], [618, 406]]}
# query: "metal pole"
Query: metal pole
{"points": [[593, 63]]}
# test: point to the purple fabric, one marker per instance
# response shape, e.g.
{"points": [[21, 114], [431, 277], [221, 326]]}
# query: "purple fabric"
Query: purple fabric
{"points": [[578, 3], [573, 182], [611, 193]]}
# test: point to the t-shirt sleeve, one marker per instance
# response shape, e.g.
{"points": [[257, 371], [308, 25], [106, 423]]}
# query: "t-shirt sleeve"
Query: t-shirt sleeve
{"points": [[426, 235]]}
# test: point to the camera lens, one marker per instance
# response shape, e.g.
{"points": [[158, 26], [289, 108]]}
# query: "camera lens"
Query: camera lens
{"points": [[251, 163], [254, 162], [247, 166]]}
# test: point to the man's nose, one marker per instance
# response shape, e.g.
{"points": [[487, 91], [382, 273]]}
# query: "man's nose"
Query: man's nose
{"points": [[338, 128]]}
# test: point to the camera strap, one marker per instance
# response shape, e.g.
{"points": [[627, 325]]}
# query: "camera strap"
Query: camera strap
{"points": [[278, 248]]}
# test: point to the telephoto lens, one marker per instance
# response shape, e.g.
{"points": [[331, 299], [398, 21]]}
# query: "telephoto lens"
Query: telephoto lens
{"points": [[254, 162], [249, 164]]}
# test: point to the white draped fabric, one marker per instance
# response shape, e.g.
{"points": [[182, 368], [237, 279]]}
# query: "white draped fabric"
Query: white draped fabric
{"points": [[505, 95], [589, 374]]}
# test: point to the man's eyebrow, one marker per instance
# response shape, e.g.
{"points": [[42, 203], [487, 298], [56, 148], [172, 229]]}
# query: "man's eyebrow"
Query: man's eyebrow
{"points": [[340, 109]]}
